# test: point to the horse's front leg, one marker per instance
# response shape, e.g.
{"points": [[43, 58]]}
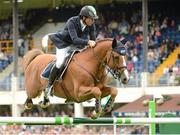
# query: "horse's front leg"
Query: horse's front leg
{"points": [[113, 93], [86, 92], [45, 102]]}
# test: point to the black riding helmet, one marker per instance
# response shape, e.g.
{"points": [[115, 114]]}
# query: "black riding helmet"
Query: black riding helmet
{"points": [[88, 11]]}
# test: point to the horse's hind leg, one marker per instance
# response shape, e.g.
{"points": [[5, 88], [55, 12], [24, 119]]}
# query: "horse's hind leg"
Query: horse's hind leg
{"points": [[28, 104], [109, 91]]}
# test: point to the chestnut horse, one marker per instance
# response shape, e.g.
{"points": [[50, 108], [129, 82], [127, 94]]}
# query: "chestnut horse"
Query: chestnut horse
{"points": [[85, 77]]}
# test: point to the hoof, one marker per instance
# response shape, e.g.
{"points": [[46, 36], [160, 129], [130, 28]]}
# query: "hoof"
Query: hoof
{"points": [[44, 104], [28, 106], [95, 115], [107, 110], [102, 113]]}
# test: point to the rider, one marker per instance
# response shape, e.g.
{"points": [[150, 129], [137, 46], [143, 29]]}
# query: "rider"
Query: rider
{"points": [[76, 32]]}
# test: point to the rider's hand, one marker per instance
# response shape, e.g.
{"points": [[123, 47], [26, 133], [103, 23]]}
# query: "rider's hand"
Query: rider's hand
{"points": [[91, 43]]}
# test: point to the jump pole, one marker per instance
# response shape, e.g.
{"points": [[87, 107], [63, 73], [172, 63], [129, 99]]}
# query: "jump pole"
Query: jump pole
{"points": [[84, 121]]}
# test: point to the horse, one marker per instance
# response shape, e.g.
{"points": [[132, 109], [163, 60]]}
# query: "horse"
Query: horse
{"points": [[85, 78]]}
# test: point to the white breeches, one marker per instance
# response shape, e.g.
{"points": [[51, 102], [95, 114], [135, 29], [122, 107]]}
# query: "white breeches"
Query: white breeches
{"points": [[61, 55]]}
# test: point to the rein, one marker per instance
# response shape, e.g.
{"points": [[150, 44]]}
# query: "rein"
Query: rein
{"points": [[79, 64], [96, 81], [102, 63]]}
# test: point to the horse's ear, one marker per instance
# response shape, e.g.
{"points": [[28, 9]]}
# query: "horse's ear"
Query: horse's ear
{"points": [[122, 42], [114, 43]]}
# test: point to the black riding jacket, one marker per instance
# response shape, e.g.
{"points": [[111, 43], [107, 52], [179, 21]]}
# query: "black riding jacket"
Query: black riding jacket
{"points": [[72, 33]]}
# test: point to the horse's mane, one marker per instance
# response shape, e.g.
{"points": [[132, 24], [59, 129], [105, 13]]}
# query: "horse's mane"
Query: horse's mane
{"points": [[105, 39], [97, 43]]}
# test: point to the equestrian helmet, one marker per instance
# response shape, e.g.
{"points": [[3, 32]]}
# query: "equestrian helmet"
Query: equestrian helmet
{"points": [[89, 11]]}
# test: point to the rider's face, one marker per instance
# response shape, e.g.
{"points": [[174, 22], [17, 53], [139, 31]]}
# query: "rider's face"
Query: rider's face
{"points": [[89, 21]]}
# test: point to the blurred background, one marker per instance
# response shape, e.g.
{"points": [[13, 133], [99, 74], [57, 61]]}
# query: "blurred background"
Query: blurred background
{"points": [[153, 62]]}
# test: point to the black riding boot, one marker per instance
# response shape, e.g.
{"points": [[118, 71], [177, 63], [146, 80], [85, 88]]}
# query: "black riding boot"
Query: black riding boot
{"points": [[52, 78]]}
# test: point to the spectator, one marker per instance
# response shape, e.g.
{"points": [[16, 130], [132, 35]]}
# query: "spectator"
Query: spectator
{"points": [[1, 55], [178, 61], [101, 35]]}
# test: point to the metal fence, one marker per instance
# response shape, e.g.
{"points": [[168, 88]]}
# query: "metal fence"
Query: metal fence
{"points": [[135, 81]]}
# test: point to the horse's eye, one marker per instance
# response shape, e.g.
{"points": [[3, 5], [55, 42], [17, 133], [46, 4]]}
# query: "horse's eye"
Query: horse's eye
{"points": [[116, 58]]}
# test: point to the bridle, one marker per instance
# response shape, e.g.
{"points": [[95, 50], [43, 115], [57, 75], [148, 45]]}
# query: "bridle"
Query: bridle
{"points": [[115, 70], [104, 63]]}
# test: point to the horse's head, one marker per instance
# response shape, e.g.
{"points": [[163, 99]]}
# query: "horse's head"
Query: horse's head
{"points": [[116, 60]]}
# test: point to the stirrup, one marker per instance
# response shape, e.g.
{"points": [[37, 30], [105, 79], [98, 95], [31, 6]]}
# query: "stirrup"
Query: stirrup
{"points": [[49, 91]]}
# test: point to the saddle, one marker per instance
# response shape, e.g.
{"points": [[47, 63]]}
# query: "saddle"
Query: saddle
{"points": [[46, 72]]}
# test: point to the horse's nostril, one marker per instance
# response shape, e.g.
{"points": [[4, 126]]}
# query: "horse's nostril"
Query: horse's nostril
{"points": [[124, 80]]}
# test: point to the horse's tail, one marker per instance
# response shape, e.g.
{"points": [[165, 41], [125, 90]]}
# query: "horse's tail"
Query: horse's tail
{"points": [[30, 56]]}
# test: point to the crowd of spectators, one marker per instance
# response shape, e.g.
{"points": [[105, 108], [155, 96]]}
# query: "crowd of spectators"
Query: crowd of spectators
{"points": [[6, 29], [173, 73], [163, 37], [6, 34], [5, 60], [71, 130]]}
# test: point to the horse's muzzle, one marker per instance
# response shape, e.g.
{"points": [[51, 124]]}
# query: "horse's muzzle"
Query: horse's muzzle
{"points": [[125, 77], [125, 81]]}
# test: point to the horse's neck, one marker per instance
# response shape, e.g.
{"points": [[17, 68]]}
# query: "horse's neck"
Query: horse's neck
{"points": [[99, 51], [92, 58], [102, 48]]}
